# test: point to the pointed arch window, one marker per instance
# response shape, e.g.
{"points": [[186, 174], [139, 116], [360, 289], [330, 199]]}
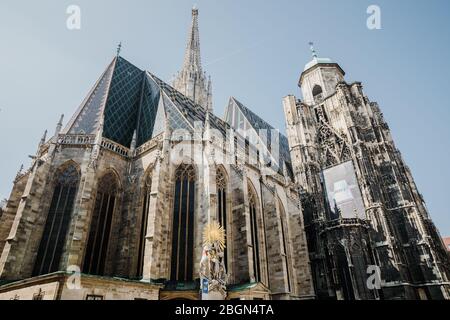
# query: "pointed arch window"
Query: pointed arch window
{"points": [[58, 219], [144, 224], [100, 230], [317, 94], [183, 225], [221, 186], [253, 205]]}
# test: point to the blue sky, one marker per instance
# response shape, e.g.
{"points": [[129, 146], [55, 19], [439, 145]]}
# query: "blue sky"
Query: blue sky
{"points": [[254, 50]]}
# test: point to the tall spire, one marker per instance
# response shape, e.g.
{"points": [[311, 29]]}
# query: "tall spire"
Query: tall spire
{"points": [[192, 60], [59, 126], [191, 80]]}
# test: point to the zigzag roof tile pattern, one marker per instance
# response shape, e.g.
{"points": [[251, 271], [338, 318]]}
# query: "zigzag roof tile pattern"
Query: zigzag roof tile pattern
{"points": [[127, 99]]}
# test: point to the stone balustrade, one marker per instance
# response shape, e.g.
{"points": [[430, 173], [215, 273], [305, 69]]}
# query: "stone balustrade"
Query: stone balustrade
{"points": [[76, 139], [115, 147]]}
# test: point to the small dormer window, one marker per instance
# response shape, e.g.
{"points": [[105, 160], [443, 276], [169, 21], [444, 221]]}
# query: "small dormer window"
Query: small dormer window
{"points": [[317, 94]]}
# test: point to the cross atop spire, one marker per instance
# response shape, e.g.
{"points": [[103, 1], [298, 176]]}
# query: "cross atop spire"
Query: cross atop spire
{"points": [[119, 48], [313, 51]]}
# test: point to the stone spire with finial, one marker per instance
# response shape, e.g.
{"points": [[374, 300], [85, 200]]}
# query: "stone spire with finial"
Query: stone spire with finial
{"points": [[43, 139], [191, 80], [59, 125]]}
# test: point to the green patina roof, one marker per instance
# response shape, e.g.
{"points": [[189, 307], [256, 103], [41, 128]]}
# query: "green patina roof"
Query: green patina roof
{"points": [[317, 61]]}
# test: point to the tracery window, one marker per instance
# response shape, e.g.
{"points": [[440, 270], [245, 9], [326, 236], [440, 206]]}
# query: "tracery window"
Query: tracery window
{"points": [[100, 230], [183, 224], [253, 205], [58, 219], [144, 224]]}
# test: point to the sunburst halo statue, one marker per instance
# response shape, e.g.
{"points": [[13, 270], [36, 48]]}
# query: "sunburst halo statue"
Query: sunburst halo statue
{"points": [[214, 235]]}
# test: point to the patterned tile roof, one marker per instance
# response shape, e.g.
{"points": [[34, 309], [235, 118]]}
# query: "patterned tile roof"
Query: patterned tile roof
{"points": [[127, 99], [130, 99]]}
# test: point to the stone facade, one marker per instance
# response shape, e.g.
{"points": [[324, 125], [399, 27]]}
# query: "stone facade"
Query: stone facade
{"points": [[337, 124], [58, 286], [118, 199], [278, 207], [135, 170]]}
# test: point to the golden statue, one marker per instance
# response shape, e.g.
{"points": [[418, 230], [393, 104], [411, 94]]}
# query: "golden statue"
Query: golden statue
{"points": [[212, 266]]}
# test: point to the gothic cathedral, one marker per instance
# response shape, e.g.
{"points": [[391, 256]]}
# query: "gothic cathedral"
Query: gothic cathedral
{"points": [[115, 202]]}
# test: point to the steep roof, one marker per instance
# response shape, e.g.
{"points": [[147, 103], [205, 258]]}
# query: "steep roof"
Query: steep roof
{"points": [[192, 58], [277, 145], [191, 113], [127, 99]]}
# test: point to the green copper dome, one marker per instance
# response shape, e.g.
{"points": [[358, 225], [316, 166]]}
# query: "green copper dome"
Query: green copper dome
{"points": [[316, 61]]}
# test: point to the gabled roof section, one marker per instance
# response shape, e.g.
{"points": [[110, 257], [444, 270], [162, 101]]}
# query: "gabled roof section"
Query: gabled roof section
{"points": [[127, 99], [86, 119], [183, 112], [149, 110], [240, 117]]}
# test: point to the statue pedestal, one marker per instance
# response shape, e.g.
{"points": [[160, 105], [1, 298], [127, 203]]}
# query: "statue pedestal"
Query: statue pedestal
{"points": [[215, 294]]}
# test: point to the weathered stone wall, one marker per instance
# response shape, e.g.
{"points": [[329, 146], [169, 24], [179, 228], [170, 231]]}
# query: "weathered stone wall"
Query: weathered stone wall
{"points": [[344, 125], [239, 258], [278, 274], [47, 291], [7, 218], [16, 261], [278, 268], [302, 285], [63, 287]]}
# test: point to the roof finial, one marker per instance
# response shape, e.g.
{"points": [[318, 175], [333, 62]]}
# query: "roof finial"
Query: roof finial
{"points": [[43, 139], [19, 173], [119, 48], [313, 51], [59, 126]]}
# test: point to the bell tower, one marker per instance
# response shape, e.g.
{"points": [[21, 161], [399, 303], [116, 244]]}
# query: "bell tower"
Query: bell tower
{"points": [[319, 78], [338, 138]]}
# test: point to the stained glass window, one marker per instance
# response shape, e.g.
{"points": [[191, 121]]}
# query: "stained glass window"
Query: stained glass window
{"points": [[253, 205], [102, 217], [144, 223], [183, 225], [58, 219]]}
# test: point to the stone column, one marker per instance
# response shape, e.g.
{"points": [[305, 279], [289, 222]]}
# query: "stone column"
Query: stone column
{"points": [[83, 212]]}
